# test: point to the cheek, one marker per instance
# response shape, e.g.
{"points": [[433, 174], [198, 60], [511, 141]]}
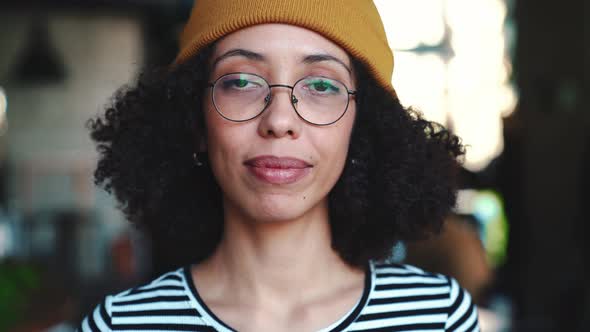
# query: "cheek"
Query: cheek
{"points": [[342, 134], [220, 135], [333, 143], [225, 145], [219, 143]]}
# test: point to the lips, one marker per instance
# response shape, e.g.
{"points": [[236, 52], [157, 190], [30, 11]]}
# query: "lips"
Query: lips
{"points": [[278, 170]]}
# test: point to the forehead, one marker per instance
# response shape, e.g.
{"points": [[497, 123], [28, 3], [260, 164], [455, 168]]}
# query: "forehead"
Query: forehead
{"points": [[280, 40]]}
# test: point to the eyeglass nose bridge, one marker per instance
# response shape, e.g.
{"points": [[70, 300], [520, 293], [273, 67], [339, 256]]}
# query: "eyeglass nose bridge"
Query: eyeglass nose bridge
{"points": [[268, 97]]}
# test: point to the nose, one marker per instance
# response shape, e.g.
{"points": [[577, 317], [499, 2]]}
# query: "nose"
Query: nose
{"points": [[280, 119]]}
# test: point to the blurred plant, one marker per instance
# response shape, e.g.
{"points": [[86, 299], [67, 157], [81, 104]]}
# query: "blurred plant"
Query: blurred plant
{"points": [[17, 282]]}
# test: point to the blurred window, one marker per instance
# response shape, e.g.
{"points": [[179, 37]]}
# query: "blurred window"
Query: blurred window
{"points": [[452, 63]]}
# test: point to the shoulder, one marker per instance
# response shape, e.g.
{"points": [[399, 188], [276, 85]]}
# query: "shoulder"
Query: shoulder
{"points": [[462, 311], [164, 296], [427, 297], [402, 276]]}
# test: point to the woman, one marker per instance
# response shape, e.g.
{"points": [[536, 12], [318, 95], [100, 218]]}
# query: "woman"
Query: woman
{"points": [[305, 172]]}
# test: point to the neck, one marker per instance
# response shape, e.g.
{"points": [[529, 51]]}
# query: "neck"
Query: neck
{"points": [[278, 260]]}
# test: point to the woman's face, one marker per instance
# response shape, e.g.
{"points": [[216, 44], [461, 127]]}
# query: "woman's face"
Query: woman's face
{"points": [[277, 167]]}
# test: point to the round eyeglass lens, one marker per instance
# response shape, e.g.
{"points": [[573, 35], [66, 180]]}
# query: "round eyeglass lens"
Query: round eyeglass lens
{"points": [[320, 100], [240, 96]]}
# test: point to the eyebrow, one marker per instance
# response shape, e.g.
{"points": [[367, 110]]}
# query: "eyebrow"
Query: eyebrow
{"points": [[314, 58], [309, 59], [239, 52]]}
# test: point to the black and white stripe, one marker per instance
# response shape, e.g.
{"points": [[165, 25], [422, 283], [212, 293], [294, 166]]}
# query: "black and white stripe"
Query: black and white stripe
{"points": [[405, 298], [396, 298], [161, 305]]}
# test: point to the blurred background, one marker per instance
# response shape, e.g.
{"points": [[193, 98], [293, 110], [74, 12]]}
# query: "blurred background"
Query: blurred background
{"points": [[506, 75]]}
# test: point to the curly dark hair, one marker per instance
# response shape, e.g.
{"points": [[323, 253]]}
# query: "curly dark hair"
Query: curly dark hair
{"points": [[399, 181]]}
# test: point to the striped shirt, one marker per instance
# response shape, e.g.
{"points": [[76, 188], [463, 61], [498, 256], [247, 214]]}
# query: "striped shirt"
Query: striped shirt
{"points": [[395, 298]]}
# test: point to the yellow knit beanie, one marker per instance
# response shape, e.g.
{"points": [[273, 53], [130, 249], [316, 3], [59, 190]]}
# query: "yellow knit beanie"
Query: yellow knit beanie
{"points": [[355, 25]]}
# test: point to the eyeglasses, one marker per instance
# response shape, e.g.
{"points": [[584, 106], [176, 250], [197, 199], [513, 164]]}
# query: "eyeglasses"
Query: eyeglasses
{"points": [[317, 100]]}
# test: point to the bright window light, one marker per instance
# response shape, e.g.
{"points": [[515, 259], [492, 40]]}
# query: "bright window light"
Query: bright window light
{"points": [[451, 63]]}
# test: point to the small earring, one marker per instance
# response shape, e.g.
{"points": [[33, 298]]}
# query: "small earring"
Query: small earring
{"points": [[196, 160]]}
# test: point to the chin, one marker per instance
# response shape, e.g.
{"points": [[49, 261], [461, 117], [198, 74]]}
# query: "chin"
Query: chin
{"points": [[276, 210], [271, 211]]}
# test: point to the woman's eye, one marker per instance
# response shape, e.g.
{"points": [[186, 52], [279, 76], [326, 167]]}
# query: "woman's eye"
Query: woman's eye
{"points": [[323, 86], [240, 83]]}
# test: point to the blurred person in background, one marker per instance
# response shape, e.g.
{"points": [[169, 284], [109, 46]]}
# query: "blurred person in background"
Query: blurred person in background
{"points": [[274, 168], [457, 252]]}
